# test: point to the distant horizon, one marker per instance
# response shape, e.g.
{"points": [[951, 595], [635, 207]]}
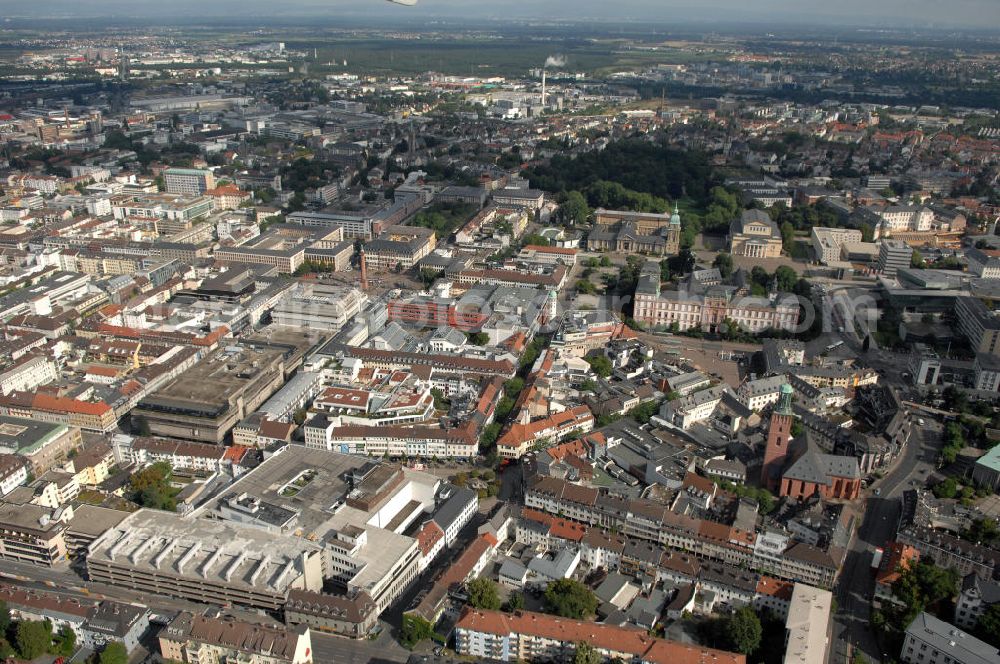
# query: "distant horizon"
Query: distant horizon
{"points": [[898, 15]]}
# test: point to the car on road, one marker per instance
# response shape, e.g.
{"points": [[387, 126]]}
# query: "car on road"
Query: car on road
{"points": [[878, 492], [921, 421]]}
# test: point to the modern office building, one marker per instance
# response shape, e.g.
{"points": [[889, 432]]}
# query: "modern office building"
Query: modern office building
{"points": [[43, 445], [828, 242], [358, 512], [283, 247], [188, 181], [979, 325], [206, 402], [316, 306], [354, 224], [893, 256], [986, 471], [33, 534], [398, 248]]}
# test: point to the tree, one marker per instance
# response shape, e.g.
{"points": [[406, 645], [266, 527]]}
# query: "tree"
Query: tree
{"points": [[917, 259], [414, 630], [574, 208], [483, 594], [919, 587], [946, 489], [32, 638], [140, 426], [515, 602], [724, 262], [489, 436], [114, 653], [585, 654], [479, 338], [504, 406], [984, 531], [64, 643], [536, 240], [787, 236], [441, 402], [682, 263], [665, 270], [150, 487], [988, 626], [955, 399], [117, 140], [4, 617], [513, 386], [785, 279], [744, 630], [644, 411], [570, 599], [299, 416], [600, 365]]}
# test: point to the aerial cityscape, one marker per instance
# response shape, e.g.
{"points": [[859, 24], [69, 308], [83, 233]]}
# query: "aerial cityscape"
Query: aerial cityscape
{"points": [[439, 331]]}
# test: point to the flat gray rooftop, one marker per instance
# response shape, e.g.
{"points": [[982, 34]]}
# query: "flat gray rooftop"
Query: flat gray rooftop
{"points": [[212, 551]]}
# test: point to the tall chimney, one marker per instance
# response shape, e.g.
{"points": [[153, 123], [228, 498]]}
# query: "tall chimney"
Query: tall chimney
{"points": [[543, 87], [364, 271]]}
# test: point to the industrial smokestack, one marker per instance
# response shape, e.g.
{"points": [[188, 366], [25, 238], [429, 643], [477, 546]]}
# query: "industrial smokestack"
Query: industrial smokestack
{"points": [[364, 271], [543, 87]]}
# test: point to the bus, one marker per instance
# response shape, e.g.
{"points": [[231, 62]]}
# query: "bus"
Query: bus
{"points": [[835, 344]]}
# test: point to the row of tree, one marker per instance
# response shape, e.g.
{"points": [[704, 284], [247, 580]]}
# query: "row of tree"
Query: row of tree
{"points": [[567, 598]]}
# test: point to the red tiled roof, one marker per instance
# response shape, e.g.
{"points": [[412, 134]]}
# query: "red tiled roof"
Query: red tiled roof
{"points": [[429, 535], [605, 637], [561, 528], [66, 405], [235, 453], [109, 372], [772, 587], [897, 557]]}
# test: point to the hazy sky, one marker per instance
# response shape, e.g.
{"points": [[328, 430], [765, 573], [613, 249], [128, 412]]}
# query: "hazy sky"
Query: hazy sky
{"points": [[978, 13]]}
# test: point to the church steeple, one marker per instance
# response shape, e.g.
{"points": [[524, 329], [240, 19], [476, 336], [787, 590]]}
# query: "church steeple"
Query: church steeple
{"points": [[675, 218], [778, 435]]}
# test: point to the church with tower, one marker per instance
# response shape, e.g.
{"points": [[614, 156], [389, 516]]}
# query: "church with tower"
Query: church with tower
{"points": [[794, 469]]}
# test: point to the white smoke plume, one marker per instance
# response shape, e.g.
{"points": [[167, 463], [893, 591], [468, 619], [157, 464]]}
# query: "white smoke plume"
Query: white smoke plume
{"points": [[555, 61]]}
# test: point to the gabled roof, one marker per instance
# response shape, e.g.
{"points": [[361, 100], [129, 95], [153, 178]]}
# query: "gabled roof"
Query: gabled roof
{"points": [[823, 468]]}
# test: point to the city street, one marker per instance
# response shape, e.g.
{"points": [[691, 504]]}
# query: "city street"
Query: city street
{"points": [[852, 629]]}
